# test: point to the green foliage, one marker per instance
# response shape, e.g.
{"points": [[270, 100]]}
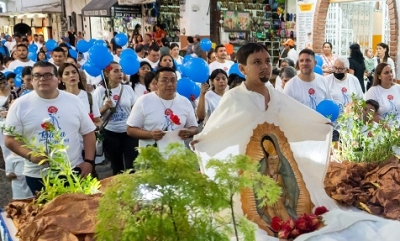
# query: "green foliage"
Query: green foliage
{"points": [[362, 140], [58, 177], [168, 199]]}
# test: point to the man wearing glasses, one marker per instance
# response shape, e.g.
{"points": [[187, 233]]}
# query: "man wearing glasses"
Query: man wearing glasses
{"points": [[66, 113], [308, 87]]}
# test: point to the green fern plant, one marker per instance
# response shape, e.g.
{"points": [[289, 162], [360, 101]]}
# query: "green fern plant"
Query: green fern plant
{"points": [[168, 199]]}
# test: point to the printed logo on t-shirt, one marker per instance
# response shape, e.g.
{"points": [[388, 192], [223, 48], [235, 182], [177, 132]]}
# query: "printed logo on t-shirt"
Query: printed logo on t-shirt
{"points": [[226, 69], [45, 135], [345, 99], [115, 97], [119, 115], [393, 108], [313, 103]]}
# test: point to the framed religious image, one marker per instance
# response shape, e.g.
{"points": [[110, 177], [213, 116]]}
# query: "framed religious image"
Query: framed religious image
{"points": [[236, 21]]}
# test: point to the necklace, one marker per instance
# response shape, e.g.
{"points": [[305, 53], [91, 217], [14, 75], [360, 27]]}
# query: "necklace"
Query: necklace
{"points": [[167, 111]]}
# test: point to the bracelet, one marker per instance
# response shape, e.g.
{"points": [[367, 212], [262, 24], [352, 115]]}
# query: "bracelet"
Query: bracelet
{"points": [[89, 161], [29, 157]]}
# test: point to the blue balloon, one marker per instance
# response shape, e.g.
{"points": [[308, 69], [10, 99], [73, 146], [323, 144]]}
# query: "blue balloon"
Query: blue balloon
{"points": [[206, 44], [235, 70], [32, 56], [73, 53], [197, 70], [128, 52], [7, 73], [48, 55], [121, 39], [18, 80], [18, 70], [185, 87], [187, 58], [83, 46], [319, 60], [196, 93], [32, 48], [91, 69], [130, 65], [100, 56], [100, 43], [318, 70], [329, 109], [51, 44], [91, 42]]}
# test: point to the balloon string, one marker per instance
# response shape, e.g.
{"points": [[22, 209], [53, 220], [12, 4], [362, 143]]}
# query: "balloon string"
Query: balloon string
{"points": [[105, 84]]}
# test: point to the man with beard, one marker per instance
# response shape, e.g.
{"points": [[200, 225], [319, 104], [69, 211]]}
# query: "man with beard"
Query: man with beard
{"points": [[22, 53], [307, 87], [220, 62], [59, 56]]}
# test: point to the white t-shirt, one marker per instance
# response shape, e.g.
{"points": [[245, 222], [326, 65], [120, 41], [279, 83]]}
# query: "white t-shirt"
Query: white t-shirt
{"points": [[292, 54], [308, 93], [342, 90], [17, 63], [152, 64], [139, 90], [116, 58], [90, 80], [27, 113], [83, 96], [278, 84], [149, 114], [10, 45], [217, 65], [390, 62], [388, 99], [212, 101], [179, 60], [117, 122]]}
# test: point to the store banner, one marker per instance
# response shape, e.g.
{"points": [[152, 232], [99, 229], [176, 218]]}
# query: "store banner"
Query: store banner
{"points": [[125, 11], [304, 23], [134, 2], [236, 21]]}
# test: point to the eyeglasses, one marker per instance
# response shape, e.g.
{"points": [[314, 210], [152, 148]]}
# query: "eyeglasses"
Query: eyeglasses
{"points": [[338, 69], [46, 76], [165, 81]]}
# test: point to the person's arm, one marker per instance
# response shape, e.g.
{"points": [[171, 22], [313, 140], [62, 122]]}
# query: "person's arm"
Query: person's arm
{"points": [[89, 146], [19, 149], [201, 106], [188, 132], [139, 133]]}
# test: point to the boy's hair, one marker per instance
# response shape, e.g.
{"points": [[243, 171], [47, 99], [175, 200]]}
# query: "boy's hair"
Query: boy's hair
{"points": [[11, 76], [45, 64], [374, 103], [247, 49], [307, 51]]}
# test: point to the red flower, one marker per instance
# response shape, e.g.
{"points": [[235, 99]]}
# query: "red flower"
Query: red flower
{"points": [[390, 97], [145, 92], [116, 97], [294, 233], [168, 112], [344, 90], [175, 119], [285, 232], [47, 126], [311, 91], [302, 224], [276, 224], [52, 109], [109, 68], [91, 116], [321, 210]]}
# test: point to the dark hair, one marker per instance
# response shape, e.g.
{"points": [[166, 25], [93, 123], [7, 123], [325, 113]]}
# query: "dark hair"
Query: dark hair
{"points": [[44, 64], [385, 46], [151, 37], [233, 80], [356, 53], [148, 78], [378, 71], [24, 40], [162, 57], [1, 58], [11, 76], [165, 42], [154, 47], [27, 70], [37, 58], [287, 60], [61, 70], [137, 26], [214, 75], [139, 48], [75, 61], [134, 79], [246, 50], [219, 46], [328, 43], [374, 103], [106, 80], [35, 35], [173, 45], [190, 39], [210, 53], [64, 45], [307, 51], [22, 45], [136, 38], [163, 69], [59, 49], [7, 58]]}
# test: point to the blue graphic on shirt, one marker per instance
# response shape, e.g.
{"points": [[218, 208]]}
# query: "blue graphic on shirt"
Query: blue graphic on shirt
{"points": [[393, 109], [168, 124], [119, 115], [26, 92]]}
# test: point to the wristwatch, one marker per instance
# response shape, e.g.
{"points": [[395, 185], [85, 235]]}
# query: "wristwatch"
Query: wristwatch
{"points": [[89, 161]]}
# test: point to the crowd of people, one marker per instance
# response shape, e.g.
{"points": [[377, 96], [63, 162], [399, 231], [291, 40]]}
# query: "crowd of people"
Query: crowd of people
{"points": [[145, 109]]}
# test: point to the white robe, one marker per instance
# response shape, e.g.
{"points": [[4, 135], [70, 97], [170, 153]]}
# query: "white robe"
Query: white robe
{"points": [[230, 127]]}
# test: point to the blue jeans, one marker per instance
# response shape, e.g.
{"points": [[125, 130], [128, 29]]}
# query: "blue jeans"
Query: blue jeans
{"points": [[35, 184]]}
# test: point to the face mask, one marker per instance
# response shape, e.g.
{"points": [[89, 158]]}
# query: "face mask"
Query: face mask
{"points": [[339, 75]]}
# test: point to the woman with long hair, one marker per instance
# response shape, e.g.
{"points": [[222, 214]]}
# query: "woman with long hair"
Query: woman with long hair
{"points": [[41, 56], [137, 80], [385, 92], [168, 61], [383, 56], [174, 47], [115, 101], [357, 66], [209, 99]]}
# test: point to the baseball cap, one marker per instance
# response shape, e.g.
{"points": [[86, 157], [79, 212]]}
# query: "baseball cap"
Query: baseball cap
{"points": [[65, 39], [289, 42]]}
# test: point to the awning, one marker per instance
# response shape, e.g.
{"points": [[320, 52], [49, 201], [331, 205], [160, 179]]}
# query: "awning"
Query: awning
{"points": [[98, 8], [135, 2]]}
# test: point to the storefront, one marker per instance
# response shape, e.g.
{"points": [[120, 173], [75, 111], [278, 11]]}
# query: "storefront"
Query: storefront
{"points": [[108, 16]]}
